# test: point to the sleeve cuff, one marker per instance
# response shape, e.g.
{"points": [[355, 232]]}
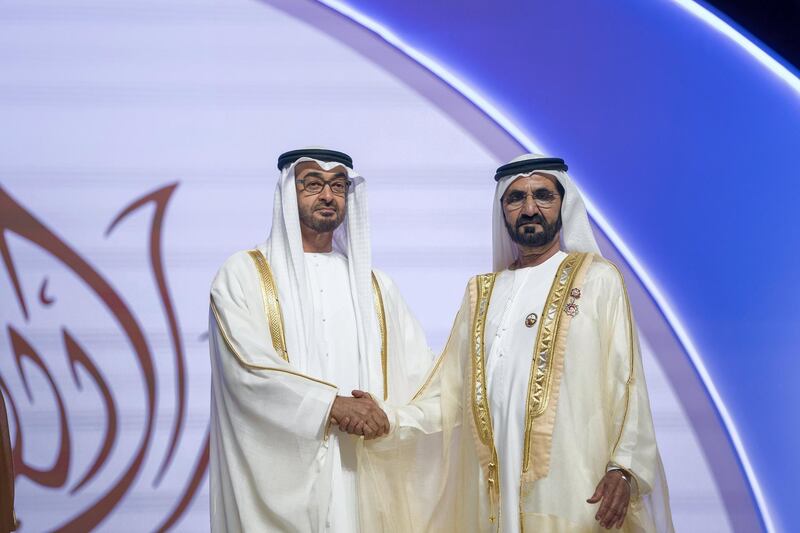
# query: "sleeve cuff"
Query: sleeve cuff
{"points": [[313, 416], [629, 476]]}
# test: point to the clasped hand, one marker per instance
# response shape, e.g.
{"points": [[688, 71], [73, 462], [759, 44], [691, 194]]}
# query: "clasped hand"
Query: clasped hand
{"points": [[359, 415]]}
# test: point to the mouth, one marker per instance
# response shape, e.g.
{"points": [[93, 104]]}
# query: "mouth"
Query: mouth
{"points": [[326, 212], [529, 225]]}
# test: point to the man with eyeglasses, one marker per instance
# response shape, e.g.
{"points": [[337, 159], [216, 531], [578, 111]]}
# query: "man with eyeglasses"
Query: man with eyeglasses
{"points": [[305, 340], [539, 394]]}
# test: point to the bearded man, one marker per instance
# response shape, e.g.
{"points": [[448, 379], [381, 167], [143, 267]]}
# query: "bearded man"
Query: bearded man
{"points": [[295, 325], [536, 417]]}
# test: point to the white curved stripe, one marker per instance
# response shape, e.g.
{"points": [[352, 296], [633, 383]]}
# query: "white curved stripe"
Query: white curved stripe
{"points": [[750, 47], [479, 101], [658, 295]]}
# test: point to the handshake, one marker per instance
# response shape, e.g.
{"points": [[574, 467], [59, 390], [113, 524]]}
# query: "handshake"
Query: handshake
{"points": [[359, 415]]}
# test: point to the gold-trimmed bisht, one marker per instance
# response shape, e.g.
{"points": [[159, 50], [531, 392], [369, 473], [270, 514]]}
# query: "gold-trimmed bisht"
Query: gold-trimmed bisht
{"points": [[540, 382], [547, 367], [548, 362], [480, 399], [242, 361], [549, 346], [631, 344], [272, 309], [381, 314]]}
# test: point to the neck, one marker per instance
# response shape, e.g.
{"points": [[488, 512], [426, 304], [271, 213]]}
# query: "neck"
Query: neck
{"points": [[529, 257], [316, 242]]}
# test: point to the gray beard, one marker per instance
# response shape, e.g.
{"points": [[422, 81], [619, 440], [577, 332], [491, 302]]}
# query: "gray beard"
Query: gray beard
{"points": [[320, 225], [324, 225]]}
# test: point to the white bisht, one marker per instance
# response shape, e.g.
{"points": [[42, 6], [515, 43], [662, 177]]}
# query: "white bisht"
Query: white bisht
{"points": [[270, 470], [587, 406]]}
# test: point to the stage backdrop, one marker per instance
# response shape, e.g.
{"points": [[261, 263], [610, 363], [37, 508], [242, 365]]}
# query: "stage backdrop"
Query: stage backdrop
{"points": [[137, 152]]}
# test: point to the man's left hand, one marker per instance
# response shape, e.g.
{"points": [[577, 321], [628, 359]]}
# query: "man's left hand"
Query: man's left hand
{"points": [[615, 493]]}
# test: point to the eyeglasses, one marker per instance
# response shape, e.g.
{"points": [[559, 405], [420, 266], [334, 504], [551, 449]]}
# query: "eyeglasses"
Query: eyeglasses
{"points": [[338, 186], [542, 197]]}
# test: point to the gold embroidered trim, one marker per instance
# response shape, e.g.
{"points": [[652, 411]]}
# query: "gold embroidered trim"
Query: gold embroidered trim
{"points": [[539, 383], [480, 403], [480, 399], [252, 366], [493, 480], [379, 310], [272, 307], [630, 358]]}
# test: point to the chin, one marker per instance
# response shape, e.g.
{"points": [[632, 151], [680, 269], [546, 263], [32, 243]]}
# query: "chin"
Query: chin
{"points": [[325, 224]]}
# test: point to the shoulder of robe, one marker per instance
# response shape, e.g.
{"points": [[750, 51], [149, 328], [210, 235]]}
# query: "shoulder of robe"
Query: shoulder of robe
{"points": [[473, 281], [388, 287], [237, 266], [385, 281], [390, 292], [471, 289], [604, 272]]}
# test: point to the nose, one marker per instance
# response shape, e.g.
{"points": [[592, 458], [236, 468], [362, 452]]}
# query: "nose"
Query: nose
{"points": [[326, 193], [529, 207]]}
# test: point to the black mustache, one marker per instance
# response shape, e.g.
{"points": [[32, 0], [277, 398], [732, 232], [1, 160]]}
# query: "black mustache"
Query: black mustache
{"points": [[326, 205], [535, 219]]}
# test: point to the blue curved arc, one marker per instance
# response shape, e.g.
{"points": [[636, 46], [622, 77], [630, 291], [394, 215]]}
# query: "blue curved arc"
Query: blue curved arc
{"points": [[760, 52], [526, 141]]}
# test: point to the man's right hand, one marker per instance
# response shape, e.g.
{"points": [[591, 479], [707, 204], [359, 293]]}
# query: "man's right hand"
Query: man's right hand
{"points": [[359, 415]]}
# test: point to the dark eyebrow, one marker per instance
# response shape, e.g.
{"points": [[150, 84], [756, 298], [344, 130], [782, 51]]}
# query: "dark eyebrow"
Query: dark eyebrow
{"points": [[317, 174], [313, 174]]}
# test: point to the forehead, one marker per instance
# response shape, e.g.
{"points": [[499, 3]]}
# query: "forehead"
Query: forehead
{"points": [[535, 181], [306, 167]]}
